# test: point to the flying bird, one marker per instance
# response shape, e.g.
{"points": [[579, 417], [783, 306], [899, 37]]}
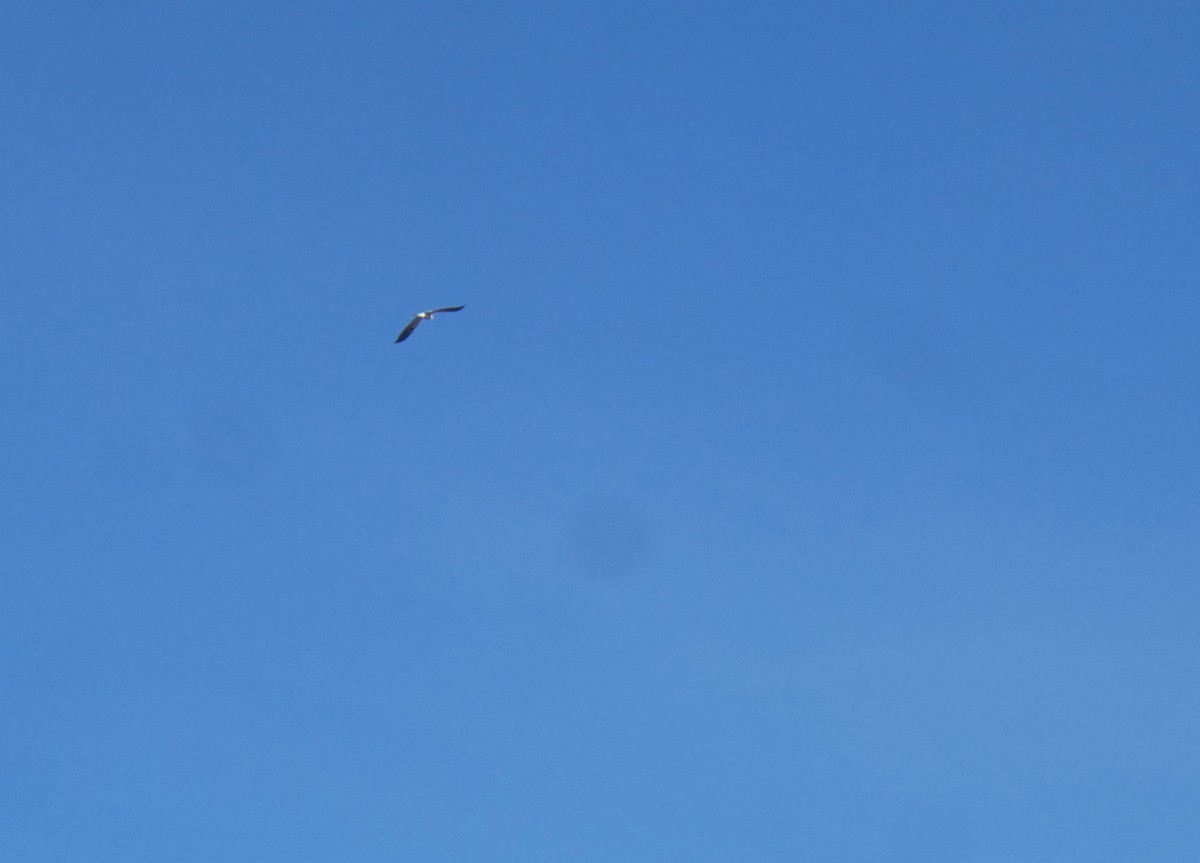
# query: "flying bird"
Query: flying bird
{"points": [[423, 316]]}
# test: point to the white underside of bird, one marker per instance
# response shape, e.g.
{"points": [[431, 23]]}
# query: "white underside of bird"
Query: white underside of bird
{"points": [[423, 316]]}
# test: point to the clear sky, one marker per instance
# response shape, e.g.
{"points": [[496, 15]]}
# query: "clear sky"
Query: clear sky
{"points": [[813, 474]]}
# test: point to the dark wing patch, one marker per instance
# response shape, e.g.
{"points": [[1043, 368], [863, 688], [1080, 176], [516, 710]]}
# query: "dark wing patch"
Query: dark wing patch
{"points": [[448, 309], [407, 331]]}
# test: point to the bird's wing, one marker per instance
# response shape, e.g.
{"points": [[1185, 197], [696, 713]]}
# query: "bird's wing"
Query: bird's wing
{"points": [[448, 309], [407, 331]]}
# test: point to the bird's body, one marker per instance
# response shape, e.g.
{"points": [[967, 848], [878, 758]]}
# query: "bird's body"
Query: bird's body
{"points": [[423, 316]]}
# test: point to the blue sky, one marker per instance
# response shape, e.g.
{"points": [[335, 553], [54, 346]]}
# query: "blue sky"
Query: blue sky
{"points": [[813, 473]]}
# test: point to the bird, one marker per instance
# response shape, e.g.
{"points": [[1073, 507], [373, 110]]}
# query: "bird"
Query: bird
{"points": [[423, 316]]}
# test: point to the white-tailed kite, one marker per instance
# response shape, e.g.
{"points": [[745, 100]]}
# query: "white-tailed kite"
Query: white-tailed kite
{"points": [[423, 316]]}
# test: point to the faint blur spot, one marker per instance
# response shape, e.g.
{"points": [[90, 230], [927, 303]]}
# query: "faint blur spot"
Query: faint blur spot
{"points": [[233, 442], [921, 351], [610, 539]]}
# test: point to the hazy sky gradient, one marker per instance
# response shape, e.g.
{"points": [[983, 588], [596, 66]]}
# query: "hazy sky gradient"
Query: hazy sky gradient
{"points": [[813, 473]]}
